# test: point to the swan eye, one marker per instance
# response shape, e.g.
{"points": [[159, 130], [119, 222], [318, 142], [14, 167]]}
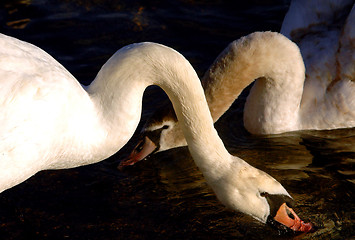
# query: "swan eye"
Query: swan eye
{"points": [[276, 200], [155, 135], [264, 194], [140, 146]]}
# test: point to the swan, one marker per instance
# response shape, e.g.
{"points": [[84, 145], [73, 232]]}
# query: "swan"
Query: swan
{"points": [[282, 99], [49, 121]]}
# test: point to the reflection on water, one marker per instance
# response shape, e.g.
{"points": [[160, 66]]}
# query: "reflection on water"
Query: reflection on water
{"points": [[167, 197]]}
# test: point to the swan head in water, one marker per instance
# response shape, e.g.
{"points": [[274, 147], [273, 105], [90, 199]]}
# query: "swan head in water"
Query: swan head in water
{"points": [[267, 200], [242, 187]]}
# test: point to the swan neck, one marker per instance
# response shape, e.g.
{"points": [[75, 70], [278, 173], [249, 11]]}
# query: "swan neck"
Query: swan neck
{"points": [[138, 66], [261, 54], [273, 103], [189, 102]]}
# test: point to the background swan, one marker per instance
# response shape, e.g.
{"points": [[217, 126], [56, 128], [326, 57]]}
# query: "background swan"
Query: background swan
{"points": [[323, 99], [264, 55], [49, 121]]}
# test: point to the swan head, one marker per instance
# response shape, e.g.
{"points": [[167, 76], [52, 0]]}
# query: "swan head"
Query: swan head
{"points": [[246, 189], [161, 132]]}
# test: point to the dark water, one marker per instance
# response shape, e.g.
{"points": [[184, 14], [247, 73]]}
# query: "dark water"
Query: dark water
{"points": [[166, 197]]}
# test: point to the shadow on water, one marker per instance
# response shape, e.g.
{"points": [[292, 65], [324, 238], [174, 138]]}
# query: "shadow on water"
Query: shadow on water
{"points": [[167, 197]]}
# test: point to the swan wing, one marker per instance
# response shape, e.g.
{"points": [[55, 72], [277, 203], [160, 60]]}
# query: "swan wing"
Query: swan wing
{"points": [[35, 94], [316, 26], [324, 32]]}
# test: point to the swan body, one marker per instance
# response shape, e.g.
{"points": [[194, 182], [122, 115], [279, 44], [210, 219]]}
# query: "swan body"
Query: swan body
{"points": [[325, 34], [49, 121], [284, 98]]}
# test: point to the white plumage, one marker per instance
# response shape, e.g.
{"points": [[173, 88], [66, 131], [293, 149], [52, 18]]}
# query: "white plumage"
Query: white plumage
{"points": [[49, 121]]}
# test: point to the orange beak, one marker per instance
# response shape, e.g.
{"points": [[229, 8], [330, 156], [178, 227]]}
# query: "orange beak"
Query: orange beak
{"points": [[289, 218], [143, 149]]}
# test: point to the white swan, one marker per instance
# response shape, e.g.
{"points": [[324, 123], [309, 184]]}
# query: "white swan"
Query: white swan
{"points": [[283, 99], [49, 121]]}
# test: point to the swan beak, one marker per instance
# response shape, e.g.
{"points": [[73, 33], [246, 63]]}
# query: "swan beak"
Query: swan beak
{"points": [[144, 148], [286, 216]]}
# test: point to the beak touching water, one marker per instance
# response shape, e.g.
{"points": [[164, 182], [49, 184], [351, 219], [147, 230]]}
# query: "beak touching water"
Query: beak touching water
{"points": [[144, 148], [288, 218], [283, 217]]}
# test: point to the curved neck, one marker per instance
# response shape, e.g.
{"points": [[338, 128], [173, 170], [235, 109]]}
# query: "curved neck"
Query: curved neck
{"points": [[276, 96], [137, 66], [226, 78], [264, 55]]}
